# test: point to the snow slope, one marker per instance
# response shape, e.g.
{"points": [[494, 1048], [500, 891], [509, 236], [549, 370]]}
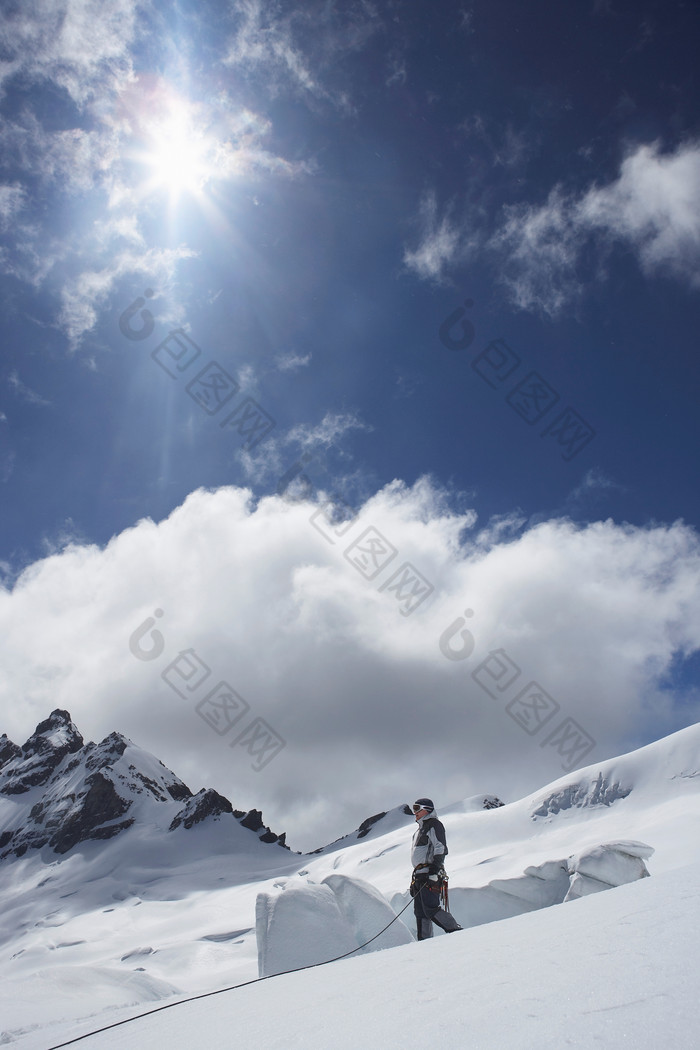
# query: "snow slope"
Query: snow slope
{"points": [[108, 930], [617, 969]]}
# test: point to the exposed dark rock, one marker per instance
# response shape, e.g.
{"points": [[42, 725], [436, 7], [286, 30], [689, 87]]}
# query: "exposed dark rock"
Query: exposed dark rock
{"points": [[111, 830], [179, 791], [148, 783], [206, 803], [99, 805], [366, 825], [253, 820], [491, 802], [8, 750], [597, 792]]}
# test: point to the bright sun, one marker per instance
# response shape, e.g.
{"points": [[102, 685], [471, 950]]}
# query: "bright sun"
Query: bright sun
{"points": [[177, 153], [178, 156]]}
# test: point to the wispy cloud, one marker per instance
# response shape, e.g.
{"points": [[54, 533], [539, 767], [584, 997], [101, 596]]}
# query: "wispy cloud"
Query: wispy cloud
{"points": [[82, 295], [442, 242], [291, 362], [333, 426], [25, 393], [540, 248], [74, 43], [593, 481], [653, 207], [301, 50], [271, 458], [11, 201]]}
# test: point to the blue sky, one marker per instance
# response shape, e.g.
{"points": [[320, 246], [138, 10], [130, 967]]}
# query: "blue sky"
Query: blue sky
{"points": [[309, 191]]}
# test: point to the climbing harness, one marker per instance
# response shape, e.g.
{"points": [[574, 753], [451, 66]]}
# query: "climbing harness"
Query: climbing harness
{"points": [[219, 991], [438, 886]]}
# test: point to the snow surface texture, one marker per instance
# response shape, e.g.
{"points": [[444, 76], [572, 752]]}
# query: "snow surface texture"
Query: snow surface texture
{"points": [[115, 927]]}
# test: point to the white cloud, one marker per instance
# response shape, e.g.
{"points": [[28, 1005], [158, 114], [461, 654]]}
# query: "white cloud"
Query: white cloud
{"points": [[267, 462], [260, 40], [396, 70], [592, 485], [653, 207], [75, 160], [326, 433], [11, 202], [303, 50], [74, 43], [372, 711], [541, 248], [291, 362], [23, 392], [82, 295], [442, 243]]}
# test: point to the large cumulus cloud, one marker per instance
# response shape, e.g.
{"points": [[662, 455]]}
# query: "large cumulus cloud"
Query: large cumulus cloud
{"points": [[371, 710]]}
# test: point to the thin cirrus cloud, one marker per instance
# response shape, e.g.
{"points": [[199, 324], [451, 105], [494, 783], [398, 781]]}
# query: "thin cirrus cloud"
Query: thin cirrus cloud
{"points": [[25, 393], [331, 428], [82, 295], [268, 461], [291, 362], [653, 207], [301, 51], [11, 201], [598, 616], [442, 243]]}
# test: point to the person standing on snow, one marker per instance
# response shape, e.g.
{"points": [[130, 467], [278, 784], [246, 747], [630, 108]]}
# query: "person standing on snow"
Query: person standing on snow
{"points": [[428, 852]]}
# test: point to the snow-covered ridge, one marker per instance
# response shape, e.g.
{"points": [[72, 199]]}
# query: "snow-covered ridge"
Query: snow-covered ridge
{"points": [[58, 792]]}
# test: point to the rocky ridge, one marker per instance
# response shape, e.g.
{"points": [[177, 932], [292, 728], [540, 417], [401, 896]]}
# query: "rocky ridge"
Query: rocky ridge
{"points": [[61, 792]]}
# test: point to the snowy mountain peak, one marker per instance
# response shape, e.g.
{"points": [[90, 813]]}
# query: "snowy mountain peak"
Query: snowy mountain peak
{"points": [[32, 764], [60, 792]]}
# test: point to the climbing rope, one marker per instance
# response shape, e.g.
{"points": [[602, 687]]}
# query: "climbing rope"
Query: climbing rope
{"points": [[219, 991]]}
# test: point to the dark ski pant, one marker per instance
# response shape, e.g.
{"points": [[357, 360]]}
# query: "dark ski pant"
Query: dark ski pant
{"points": [[426, 905]]}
